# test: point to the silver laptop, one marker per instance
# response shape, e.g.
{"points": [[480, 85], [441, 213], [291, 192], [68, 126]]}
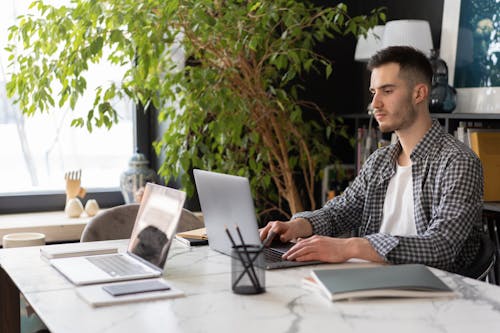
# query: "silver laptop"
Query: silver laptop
{"points": [[154, 229], [226, 200]]}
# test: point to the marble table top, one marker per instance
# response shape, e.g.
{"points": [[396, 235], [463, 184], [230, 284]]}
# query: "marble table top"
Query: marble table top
{"points": [[210, 306]]}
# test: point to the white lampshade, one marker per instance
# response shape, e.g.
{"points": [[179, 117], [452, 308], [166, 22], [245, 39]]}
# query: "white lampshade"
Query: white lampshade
{"points": [[415, 33], [369, 45]]}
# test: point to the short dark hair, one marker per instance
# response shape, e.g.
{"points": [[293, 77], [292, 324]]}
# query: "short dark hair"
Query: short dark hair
{"points": [[413, 64]]}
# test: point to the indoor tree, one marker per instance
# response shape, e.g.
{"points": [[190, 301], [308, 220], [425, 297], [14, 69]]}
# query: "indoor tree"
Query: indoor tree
{"points": [[223, 76]]}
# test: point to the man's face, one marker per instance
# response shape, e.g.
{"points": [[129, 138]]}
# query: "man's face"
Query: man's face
{"points": [[392, 99]]}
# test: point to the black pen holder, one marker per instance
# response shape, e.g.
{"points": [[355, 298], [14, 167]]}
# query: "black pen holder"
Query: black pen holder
{"points": [[247, 270]]}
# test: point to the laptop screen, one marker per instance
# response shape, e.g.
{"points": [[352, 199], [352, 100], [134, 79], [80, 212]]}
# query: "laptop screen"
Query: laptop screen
{"points": [[226, 200], [156, 223]]}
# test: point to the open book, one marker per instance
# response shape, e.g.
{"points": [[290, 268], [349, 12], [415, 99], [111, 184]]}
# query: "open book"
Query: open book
{"points": [[411, 280]]}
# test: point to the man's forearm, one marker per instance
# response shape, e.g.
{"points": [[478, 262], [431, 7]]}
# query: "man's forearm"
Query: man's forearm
{"points": [[362, 249], [356, 247]]}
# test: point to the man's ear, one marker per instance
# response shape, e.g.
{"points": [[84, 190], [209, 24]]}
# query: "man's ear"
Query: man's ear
{"points": [[420, 93]]}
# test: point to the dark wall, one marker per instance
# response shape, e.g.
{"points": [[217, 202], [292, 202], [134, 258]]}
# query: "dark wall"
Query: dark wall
{"points": [[346, 91]]}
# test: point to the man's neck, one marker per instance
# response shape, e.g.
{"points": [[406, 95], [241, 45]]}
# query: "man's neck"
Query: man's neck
{"points": [[411, 136]]}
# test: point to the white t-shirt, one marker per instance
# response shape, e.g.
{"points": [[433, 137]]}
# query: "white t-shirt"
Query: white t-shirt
{"points": [[398, 218]]}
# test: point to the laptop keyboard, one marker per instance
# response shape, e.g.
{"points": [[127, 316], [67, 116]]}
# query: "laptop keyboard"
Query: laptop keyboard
{"points": [[271, 255], [117, 265], [273, 259]]}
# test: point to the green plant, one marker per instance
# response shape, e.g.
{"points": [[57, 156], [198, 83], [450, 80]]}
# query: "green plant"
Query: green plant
{"points": [[234, 107]]}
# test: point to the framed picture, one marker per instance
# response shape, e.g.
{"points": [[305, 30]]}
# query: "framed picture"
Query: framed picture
{"points": [[470, 45]]}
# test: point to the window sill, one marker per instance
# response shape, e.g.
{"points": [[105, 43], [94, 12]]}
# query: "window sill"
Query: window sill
{"points": [[56, 226], [20, 203]]}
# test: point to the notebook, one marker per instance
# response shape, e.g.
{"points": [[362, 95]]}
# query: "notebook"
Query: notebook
{"points": [[154, 229], [226, 200], [410, 280]]}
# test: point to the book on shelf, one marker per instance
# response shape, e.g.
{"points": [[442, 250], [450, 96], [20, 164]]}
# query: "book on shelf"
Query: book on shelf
{"points": [[336, 178], [465, 129], [485, 144], [410, 280], [368, 140]]}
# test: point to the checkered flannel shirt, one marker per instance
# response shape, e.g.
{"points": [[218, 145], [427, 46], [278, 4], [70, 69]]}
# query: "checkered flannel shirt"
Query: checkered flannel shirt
{"points": [[447, 191]]}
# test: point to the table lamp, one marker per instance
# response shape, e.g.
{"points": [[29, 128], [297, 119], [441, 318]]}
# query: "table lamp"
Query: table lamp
{"points": [[369, 45], [415, 33]]}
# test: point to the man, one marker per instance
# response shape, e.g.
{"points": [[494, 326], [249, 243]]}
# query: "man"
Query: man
{"points": [[416, 201]]}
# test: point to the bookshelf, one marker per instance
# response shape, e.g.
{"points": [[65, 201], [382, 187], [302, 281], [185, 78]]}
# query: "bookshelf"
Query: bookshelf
{"points": [[350, 156], [449, 121]]}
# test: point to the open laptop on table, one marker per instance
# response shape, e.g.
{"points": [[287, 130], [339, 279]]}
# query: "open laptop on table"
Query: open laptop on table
{"points": [[226, 200], [154, 229]]}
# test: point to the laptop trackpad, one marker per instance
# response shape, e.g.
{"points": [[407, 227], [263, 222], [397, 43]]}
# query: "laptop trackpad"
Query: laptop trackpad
{"points": [[279, 246]]}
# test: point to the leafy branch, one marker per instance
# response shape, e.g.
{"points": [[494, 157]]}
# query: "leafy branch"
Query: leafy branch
{"points": [[231, 106]]}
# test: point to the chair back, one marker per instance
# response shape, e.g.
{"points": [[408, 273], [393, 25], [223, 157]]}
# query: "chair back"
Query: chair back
{"points": [[114, 223], [118, 222], [484, 261]]}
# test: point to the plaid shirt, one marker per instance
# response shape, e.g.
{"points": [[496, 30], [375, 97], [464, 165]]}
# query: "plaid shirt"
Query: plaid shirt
{"points": [[447, 191]]}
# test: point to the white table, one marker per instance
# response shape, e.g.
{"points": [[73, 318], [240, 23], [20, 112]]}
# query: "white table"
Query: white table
{"points": [[210, 306]]}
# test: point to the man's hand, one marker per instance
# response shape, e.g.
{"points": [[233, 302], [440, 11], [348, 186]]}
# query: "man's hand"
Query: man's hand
{"points": [[329, 249], [287, 230]]}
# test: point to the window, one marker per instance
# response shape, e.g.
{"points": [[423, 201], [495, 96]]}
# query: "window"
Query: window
{"points": [[37, 151]]}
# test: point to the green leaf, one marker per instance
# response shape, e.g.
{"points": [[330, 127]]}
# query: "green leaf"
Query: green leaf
{"points": [[329, 70], [78, 122], [96, 45], [255, 6]]}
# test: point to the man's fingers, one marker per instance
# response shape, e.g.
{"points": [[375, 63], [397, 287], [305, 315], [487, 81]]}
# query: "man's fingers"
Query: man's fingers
{"points": [[300, 253], [275, 227], [264, 231], [291, 253], [269, 238], [286, 235], [304, 250], [306, 257]]}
